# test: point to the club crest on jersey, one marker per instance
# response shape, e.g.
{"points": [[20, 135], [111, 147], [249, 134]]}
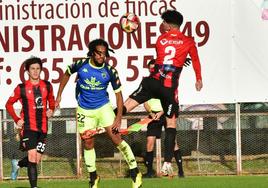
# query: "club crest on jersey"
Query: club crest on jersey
{"points": [[38, 102], [104, 75]]}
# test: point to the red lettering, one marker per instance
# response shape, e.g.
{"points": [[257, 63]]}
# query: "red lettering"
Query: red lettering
{"points": [[132, 67], [41, 29], [75, 38], [27, 38], [110, 36], [87, 31], [5, 42], [15, 39], [136, 36], [149, 34], [57, 37]]}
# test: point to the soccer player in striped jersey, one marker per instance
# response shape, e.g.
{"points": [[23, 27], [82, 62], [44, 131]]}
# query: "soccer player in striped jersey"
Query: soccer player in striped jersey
{"points": [[38, 104], [172, 49]]}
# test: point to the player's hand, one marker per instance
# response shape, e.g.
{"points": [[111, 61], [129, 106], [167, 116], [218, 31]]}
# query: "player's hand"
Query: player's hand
{"points": [[198, 85], [49, 113], [152, 115], [57, 102], [158, 115], [187, 62], [20, 124], [116, 126]]}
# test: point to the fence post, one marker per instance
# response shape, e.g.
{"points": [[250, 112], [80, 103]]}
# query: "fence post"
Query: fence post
{"points": [[158, 156], [78, 154], [238, 139]]}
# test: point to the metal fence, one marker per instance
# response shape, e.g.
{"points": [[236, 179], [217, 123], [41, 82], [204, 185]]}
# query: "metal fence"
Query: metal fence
{"points": [[215, 140]]}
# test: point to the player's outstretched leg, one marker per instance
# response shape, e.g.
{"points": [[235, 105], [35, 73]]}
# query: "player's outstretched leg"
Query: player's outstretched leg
{"points": [[136, 176]]}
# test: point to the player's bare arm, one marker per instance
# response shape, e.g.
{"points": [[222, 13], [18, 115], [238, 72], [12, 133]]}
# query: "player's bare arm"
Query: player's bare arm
{"points": [[63, 83], [19, 124], [119, 102]]}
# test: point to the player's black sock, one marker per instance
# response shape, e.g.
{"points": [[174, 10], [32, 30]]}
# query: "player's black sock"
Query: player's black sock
{"points": [[124, 110], [133, 173], [149, 161], [170, 135], [177, 155], [92, 176], [32, 174], [23, 162]]}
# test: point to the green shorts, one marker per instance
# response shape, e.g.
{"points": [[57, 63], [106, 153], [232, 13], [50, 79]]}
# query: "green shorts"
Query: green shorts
{"points": [[97, 118]]}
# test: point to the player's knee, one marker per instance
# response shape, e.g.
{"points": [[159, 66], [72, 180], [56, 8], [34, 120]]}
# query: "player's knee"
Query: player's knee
{"points": [[88, 144], [124, 110], [116, 138]]}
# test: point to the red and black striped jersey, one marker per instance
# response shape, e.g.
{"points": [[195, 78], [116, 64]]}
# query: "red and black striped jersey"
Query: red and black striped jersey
{"points": [[35, 98], [172, 49]]}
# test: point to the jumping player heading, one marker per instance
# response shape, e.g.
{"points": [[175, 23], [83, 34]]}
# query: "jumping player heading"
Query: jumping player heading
{"points": [[172, 48]]}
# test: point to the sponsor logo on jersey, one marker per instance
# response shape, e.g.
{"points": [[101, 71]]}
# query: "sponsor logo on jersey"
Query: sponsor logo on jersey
{"points": [[169, 109], [175, 42], [92, 84]]}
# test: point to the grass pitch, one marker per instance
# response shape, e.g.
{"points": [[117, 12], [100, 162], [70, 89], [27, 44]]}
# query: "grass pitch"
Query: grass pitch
{"points": [[192, 182]]}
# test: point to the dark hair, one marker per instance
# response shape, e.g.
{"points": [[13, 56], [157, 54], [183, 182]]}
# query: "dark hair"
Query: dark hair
{"points": [[151, 62], [92, 47], [172, 17], [32, 60]]}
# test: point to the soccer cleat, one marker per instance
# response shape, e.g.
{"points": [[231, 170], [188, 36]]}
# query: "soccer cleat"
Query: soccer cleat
{"points": [[15, 169], [170, 170], [180, 174], [94, 184], [164, 169], [167, 169], [138, 181]]}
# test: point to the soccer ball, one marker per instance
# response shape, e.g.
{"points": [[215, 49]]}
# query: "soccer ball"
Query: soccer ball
{"points": [[129, 22]]}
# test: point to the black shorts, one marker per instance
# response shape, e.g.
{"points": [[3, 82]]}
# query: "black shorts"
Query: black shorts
{"points": [[154, 128], [152, 88], [33, 140]]}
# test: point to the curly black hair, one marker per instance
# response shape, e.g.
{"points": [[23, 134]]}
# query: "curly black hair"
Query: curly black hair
{"points": [[92, 47]]}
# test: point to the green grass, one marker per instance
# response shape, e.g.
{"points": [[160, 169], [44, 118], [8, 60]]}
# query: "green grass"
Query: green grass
{"points": [[188, 182]]}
